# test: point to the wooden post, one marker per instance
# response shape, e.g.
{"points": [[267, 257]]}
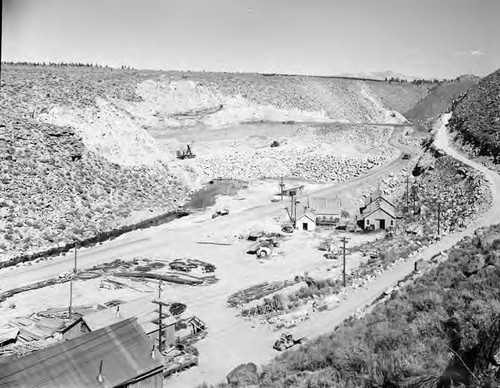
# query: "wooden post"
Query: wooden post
{"points": [[76, 245], [407, 189], [439, 217], [160, 323], [343, 240], [282, 186], [70, 297]]}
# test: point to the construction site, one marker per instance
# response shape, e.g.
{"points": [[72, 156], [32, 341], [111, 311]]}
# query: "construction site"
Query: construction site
{"points": [[295, 217]]}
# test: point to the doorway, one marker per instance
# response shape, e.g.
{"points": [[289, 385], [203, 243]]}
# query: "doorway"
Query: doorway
{"points": [[305, 226], [382, 224]]}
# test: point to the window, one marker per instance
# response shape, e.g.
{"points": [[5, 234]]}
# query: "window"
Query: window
{"points": [[367, 222], [392, 222]]}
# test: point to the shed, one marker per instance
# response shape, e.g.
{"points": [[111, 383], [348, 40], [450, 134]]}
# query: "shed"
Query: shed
{"points": [[127, 356], [293, 191], [378, 214], [306, 222]]}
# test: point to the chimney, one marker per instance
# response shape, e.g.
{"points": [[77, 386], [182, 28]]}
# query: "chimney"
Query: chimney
{"points": [[100, 377], [118, 310], [153, 356]]}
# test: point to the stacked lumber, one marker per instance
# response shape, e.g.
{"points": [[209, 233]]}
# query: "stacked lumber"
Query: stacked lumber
{"points": [[256, 292], [24, 348]]}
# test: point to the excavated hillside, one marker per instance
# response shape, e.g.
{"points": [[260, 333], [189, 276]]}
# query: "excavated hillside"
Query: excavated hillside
{"points": [[440, 99], [476, 119], [77, 146]]}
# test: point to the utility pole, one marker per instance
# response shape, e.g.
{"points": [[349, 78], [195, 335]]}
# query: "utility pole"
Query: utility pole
{"points": [[439, 217], [407, 189], [71, 285], [343, 240], [160, 323]]}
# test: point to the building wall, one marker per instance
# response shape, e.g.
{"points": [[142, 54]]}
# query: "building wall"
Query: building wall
{"points": [[374, 220], [311, 225]]}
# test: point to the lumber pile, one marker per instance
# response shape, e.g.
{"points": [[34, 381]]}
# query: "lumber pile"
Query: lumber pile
{"points": [[24, 348], [256, 292]]}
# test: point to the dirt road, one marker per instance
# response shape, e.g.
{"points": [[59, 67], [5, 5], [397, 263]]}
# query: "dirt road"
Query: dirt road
{"points": [[326, 321], [232, 340], [152, 240]]}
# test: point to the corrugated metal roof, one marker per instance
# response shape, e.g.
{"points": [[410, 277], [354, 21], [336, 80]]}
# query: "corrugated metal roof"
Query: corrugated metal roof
{"points": [[124, 348], [99, 319], [143, 309]]}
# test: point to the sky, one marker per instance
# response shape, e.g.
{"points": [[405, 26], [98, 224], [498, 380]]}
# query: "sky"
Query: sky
{"points": [[423, 38]]}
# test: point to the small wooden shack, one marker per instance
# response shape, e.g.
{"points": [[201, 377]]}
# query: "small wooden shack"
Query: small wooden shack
{"points": [[307, 222]]}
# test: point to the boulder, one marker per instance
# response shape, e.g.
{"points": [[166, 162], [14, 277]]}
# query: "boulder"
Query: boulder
{"points": [[244, 376]]}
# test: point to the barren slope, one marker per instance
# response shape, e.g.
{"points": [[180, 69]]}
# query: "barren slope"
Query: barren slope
{"points": [[78, 155]]}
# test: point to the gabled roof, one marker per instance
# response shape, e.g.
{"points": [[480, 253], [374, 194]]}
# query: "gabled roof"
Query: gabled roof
{"points": [[124, 348], [376, 196], [143, 309], [379, 204], [308, 215]]}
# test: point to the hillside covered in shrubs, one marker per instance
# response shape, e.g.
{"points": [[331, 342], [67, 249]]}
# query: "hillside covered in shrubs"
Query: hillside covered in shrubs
{"points": [[443, 330], [440, 99], [476, 117], [77, 156], [55, 191]]}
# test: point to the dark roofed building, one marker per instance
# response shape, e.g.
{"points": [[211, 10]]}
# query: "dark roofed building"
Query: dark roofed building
{"points": [[127, 354]]}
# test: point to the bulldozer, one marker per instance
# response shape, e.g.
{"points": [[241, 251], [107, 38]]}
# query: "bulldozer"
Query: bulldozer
{"points": [[185, 154], [286, 341]]}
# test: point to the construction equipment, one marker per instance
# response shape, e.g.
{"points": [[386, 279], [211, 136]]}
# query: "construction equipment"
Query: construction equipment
{"points": [[185, 154], [223, 212], [286, 341]]}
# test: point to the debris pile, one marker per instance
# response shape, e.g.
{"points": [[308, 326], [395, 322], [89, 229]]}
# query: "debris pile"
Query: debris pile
{"points": [[257, 292]]}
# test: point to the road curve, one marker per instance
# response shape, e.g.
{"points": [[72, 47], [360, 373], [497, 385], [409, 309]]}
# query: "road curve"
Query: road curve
{"points": [[359, 298]]}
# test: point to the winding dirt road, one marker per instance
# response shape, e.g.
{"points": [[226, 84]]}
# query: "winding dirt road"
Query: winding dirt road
{"points": [[254, 344]]}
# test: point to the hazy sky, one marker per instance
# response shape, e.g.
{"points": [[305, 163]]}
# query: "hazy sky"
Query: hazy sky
{"points": [[442, 38]]}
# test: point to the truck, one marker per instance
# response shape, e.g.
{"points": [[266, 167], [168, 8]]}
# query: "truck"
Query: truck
{"points": [[286, 341]]}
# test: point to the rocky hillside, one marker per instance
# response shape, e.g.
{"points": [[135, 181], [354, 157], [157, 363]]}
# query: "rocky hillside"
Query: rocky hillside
{"points": [[476, 118], [78, 157], [55, 190], [440, 99]]}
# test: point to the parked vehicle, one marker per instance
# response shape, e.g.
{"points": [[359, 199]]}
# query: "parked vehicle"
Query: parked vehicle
{"points": [[223, 212], [286, 341]]}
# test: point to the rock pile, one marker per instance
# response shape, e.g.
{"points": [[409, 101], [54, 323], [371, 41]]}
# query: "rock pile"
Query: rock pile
{"points": [[55, 191], [308, 164]]}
